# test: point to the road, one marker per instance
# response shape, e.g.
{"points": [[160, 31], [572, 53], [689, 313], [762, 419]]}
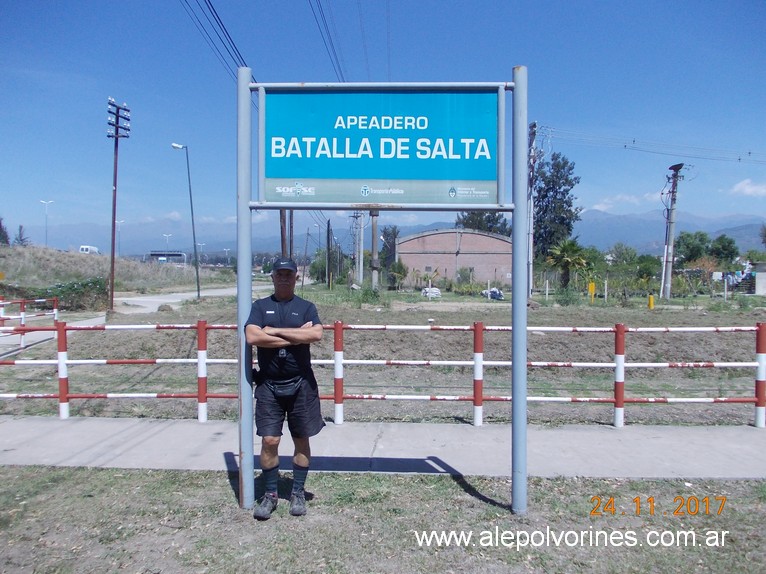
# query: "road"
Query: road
{"points": [[150, 303]]}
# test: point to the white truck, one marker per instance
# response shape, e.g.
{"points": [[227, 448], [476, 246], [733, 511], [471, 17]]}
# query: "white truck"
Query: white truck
{"points": [[89, 249]]}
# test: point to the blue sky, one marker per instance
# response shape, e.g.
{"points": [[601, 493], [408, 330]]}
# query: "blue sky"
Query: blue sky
{"points": [[623, 89]]}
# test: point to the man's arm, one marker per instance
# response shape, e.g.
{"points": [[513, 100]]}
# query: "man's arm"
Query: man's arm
{"points": [[306, 333], [276, 337]]}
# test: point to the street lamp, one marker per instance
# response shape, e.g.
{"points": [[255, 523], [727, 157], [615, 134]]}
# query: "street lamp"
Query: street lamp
{"points": [[167, 237], [201, 245], [191, 205], [227, 255], [46, 219]]}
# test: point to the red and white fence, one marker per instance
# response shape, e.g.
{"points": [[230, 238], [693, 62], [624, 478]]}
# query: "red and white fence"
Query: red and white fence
{"points": [[18, 312], [478, 363]]}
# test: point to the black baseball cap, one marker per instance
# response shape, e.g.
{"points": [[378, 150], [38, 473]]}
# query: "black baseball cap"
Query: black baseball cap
{"points": [[285, 264]]}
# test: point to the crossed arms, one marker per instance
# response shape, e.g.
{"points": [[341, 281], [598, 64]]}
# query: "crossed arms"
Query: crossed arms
{"points": [[276, 337]]}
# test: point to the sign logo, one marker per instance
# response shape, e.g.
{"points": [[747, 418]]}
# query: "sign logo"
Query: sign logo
{"points": [[365, 190], [452, 192]]}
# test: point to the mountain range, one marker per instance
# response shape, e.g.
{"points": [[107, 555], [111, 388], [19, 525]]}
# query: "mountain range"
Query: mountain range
{"points": [[644, 232]]}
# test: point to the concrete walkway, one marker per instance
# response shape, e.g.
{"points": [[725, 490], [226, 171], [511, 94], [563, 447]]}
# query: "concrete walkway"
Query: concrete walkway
{"points": [[651, 452]]}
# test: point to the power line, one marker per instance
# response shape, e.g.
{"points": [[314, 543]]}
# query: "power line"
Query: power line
{"points": [[658, 148], [208, 39], [327, 38], [364, 38], [210, 25], [388, 40], [237, 56]]}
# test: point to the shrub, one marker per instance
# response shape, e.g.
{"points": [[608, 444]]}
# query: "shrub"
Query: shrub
{"points": [[568, 297], [78, 295]]}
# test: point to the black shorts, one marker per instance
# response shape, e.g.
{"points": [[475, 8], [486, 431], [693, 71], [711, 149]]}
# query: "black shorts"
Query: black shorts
{"points": [[303, 412]]}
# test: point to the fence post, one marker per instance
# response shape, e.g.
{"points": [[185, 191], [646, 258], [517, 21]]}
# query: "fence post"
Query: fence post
{"points": [[22, 322], [619, 375], [202, 371], [760, 376], [55, 309], [478, 373], [62, 368], [338, 381]]}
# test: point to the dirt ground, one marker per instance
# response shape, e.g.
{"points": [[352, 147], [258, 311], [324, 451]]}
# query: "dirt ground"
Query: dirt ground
{"points": [[435, 380]]}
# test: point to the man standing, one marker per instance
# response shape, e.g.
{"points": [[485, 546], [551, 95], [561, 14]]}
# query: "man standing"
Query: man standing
{"points": [[282, 327]]}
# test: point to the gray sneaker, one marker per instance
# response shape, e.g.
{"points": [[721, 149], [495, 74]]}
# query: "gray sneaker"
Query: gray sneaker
{"points": [[267, 505], [298, 503]]}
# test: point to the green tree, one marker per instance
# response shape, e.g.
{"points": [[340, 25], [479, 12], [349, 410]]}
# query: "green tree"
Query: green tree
{"points": [[755, 256], [318, 267], [724, 249], [567, 257], [4, 239], [763, 234], [554, 210], [21, 239], [648, 267], [397, 273], [692, 246], [390, 234], [490, 221], [621, 254], [596, 263]]}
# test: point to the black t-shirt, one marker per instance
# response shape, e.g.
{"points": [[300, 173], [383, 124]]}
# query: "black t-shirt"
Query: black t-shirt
{"points": [[289, 361]]}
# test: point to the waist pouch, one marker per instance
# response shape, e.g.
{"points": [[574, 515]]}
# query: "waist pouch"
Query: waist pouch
{"points": [[285, 388]]}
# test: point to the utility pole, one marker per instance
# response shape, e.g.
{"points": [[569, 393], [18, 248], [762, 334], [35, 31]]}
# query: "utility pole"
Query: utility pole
{"points": [[283, 231], [292, 247], [119, 127], [375, 263], [667, 274], [327, 260], [305, 257], [531, 208], [359, 237]]}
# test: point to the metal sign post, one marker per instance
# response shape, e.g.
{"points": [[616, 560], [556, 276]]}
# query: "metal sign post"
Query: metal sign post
{"points": [[372, 147]]}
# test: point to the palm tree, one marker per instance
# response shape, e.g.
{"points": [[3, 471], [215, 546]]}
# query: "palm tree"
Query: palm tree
{"points": [[567, 256]]}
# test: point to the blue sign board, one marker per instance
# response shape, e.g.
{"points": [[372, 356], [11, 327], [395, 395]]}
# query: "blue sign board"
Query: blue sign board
{"points": [[339, 146]]}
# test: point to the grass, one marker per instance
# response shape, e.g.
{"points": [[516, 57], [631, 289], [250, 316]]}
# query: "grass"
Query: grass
{"points": [[37, 267], [98, 520]]}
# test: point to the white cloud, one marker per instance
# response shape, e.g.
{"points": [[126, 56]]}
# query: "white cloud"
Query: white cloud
{"points": [[259, 216], [409, 217], [613, 202], [747, 187], [173, 216], [653, 197]]}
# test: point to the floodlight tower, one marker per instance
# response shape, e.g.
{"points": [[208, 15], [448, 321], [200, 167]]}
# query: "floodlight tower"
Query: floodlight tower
{"points": [[670, 232]]}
